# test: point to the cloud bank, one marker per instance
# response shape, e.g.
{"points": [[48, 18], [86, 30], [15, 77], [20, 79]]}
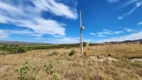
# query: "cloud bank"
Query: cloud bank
{"points": [[27, 13], [106, 32], [133, 36]]}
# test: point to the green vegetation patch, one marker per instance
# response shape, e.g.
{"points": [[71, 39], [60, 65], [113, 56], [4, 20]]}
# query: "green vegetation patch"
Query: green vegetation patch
{"points": [[137, 64], [72, 52], [12, 49], [53, 53]]}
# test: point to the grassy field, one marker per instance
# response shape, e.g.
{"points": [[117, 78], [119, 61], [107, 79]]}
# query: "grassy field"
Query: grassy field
{"points": [[101, 62]]}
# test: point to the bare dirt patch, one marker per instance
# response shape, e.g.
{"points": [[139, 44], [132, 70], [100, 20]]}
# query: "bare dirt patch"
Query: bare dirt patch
{"points": [[103, 58]]}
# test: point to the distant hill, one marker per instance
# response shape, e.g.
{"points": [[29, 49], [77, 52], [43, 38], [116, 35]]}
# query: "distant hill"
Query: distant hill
{"points": [[127, 41], [34, 43], [20, 43], [139, 40]]}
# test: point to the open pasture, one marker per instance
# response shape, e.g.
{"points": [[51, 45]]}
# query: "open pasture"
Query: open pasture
{"points": [[101, 62]]}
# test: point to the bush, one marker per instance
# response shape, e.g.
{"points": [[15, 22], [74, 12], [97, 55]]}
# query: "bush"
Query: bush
{"points": [[72, 53], [55, 76], [53, 53], [20, 50], [24, 71], [49, 68], [16, 50]]}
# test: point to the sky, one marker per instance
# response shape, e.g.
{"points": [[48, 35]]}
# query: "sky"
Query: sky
{"points": [[57, 21]]}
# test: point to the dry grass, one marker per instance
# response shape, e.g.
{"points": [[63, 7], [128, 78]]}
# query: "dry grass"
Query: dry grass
{"points": [[76, 67], [118, 50]]}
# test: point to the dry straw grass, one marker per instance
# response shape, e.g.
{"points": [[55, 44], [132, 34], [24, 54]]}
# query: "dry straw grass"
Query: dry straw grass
{"points": [[117, 50], [74, 67]]}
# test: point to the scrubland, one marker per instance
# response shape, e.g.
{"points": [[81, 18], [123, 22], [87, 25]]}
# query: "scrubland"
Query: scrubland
{"points": [[101, 62]]}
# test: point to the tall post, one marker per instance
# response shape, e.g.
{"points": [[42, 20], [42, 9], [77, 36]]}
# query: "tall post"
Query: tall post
{"points": [[81, 28]]}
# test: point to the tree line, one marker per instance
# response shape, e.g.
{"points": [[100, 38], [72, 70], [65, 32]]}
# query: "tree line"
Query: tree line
{"points": [[23, 48]]}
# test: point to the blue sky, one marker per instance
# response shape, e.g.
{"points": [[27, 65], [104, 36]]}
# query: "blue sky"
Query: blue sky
{"points": [[57, 21]]}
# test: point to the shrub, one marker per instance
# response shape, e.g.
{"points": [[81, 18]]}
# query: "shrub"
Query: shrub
{"points": [[33, 77], [20, 50], [24, 71], [55, 76], [72, 53], [15, 49], [49, 68], [53, 53], [63, 54]]}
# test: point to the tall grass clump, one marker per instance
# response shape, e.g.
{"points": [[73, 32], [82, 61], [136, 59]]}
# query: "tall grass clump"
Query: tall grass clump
{"points": [[24, 71], [49, 68], [72, 52]]}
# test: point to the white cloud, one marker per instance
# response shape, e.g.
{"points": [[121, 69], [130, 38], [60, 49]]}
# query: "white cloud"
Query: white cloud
{"points": [[23, 32], [140, 23], [92, 34], [3, 35], [120, 17], [55, 8], [105, 32], [128, 3], [113, 1], [133, 36], [129, 30], [138, 4], [27, 32], [22, 14], [61, 40], [118, 32], [73, 2], [108, 32], [67, 40], [100, 35]]}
